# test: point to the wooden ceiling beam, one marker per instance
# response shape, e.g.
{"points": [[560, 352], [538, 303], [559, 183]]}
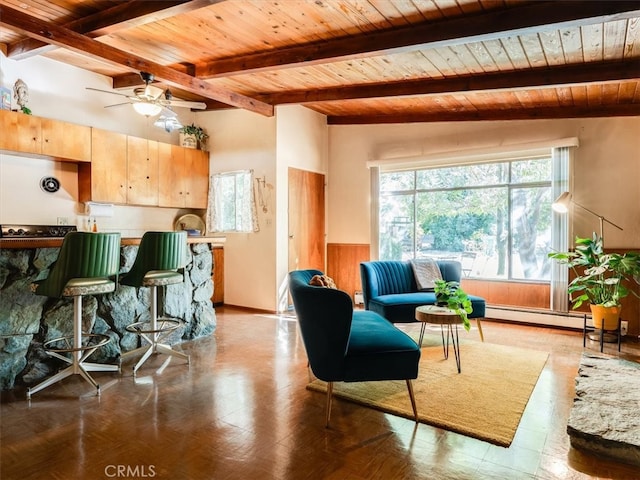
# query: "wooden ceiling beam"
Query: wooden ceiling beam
{"points": [[538, 113], [521, 20], [129, 80], [64, 37], [133, 13], [547, 77]]}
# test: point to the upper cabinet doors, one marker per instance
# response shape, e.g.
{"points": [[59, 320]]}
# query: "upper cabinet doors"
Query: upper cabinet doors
{"points": [[113, 167], [105, 178], [142, 171], [184, 178], [42, 136]]}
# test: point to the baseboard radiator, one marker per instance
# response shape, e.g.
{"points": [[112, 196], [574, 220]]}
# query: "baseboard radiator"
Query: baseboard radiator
{"points": [[536, 317]]}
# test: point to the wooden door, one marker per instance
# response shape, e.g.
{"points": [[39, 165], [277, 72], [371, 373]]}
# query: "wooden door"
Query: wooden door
{"points": [[306, 220], [142, 171]]}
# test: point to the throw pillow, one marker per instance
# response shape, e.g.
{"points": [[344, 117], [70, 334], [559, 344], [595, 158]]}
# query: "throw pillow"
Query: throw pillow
{"points": [[426, 272], [322, 281]]}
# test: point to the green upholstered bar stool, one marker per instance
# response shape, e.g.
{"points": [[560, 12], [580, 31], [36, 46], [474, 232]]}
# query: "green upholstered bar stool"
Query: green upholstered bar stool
{"points": [[88, 264], [160, 258]]}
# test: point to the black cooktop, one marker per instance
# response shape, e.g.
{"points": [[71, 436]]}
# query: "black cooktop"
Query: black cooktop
{"points": [[35, 231]]}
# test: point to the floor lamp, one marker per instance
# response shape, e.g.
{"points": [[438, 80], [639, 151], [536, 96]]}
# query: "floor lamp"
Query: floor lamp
{"points": [[561, 205]]}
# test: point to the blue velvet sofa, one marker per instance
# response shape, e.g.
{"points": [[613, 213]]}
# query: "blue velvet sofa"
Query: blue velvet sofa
{"points": [[389, 288]]}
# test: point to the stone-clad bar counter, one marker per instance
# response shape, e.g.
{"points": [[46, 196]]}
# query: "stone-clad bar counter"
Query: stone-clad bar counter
{"points": [[28, 320]]}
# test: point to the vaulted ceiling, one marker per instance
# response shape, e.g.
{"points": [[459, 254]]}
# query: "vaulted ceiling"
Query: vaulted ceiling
{"points": [[355, 61]]}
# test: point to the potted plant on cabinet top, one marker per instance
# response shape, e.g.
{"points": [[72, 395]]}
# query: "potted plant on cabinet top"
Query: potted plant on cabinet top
{"points": [[451, 295], [192, 136], [600, 279]]}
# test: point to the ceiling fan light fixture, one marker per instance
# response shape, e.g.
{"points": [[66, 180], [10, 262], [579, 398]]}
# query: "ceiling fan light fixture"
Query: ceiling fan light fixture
{"points": [[147, 109], [168, 123]]}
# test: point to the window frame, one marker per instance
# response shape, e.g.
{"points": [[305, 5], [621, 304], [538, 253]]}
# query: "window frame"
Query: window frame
{"points": [[509, 185]]}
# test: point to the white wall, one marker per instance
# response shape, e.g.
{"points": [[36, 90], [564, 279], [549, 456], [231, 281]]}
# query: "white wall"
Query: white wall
{"points": [[243, 140], [256, 263], [58, 91], [302, 143], [606, 175]]}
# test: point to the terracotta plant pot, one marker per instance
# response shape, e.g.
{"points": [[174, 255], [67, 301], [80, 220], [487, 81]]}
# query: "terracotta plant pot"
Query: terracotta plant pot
{"points": [[608, 315]]}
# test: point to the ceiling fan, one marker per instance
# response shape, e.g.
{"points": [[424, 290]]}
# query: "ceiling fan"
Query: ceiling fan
{"points": [[150, 100]]}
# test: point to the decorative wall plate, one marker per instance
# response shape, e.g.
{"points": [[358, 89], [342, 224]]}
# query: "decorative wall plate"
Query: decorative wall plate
{"points": [[190, 222], [50, 184]]}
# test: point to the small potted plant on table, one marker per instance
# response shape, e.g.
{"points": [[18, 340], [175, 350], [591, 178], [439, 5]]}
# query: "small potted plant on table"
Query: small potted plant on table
{"points": [[452, 296]]}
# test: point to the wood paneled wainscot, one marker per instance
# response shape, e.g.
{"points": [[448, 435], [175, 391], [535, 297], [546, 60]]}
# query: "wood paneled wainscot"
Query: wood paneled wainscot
{"points": [[343, 265], [183, 178], [44, 137]]}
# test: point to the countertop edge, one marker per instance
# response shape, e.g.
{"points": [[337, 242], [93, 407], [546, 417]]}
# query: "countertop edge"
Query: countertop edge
{"points": [[18, 243]]}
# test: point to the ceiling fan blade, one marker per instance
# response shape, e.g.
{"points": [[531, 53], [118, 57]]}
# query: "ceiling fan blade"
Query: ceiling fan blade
{"points": [[167, 112], [117, 104], [108, 91], [182, 103], [152, 91]]}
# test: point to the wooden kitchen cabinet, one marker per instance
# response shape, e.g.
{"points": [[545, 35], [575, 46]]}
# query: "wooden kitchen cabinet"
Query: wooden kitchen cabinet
{"points": [[105, 178], [112, 167], [66, 140], [20, 133], [218, 275], [31, 135], [196, 178], [184, 178], [142, 171], [170, 170]]}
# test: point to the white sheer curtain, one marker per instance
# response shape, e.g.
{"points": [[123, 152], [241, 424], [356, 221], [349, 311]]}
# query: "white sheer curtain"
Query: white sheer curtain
{"points": [[561, 161], [232, 204]]}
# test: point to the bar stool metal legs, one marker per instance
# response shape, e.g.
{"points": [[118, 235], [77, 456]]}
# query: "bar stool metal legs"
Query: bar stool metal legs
{"points": [[79, 353], [154, 332], [160, 257]]}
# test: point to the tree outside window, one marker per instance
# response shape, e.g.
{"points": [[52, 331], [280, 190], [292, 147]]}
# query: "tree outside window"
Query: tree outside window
{"points": [[495, 218]]}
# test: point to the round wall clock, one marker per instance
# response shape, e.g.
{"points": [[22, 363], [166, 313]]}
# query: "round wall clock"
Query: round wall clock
{"points": [[50, 184]]}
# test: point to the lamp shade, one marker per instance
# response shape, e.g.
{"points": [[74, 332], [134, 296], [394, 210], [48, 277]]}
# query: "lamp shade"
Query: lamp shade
{"points": [[561, 204], [147, 109]]}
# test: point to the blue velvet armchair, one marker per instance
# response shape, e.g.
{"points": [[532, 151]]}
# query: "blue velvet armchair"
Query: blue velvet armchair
{"points": [[347, 345]]}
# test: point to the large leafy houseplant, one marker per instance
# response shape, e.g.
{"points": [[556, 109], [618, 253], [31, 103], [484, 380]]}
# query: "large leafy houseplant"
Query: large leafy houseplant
{"points": [[601, 278], [451, 295]]}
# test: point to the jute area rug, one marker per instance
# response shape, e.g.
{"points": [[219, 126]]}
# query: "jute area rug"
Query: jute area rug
{"points": [[485, 401]]}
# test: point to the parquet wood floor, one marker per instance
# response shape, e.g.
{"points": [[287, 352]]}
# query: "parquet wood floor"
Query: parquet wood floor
{"points": [[241, 411]]}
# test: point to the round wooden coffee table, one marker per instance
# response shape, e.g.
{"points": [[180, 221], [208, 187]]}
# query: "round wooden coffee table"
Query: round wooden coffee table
{"points": [[447, 319]]}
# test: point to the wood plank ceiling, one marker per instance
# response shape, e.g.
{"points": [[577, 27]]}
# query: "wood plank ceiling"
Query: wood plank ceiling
{"points": [[355, 61]]}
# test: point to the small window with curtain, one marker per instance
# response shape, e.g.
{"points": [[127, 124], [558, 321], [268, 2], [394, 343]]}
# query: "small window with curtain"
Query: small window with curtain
{"points": [[232, 206]]}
